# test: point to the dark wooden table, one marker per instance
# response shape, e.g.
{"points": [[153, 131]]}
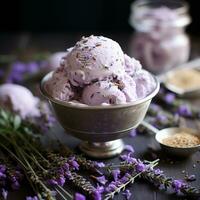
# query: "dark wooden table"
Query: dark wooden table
{"points": [[141, 190]]}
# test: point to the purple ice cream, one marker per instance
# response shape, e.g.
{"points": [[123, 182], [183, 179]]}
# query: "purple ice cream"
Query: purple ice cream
{"points": [[19, 99], [97, 72]]}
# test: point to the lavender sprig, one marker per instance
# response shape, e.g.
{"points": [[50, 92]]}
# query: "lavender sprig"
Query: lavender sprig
{"points": [[120, 185], [159, 179]]}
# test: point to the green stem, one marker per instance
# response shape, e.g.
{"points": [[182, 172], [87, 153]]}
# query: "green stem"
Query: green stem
{"points": [[13, 155], [32, 147], [64, 191], [61, 194]]}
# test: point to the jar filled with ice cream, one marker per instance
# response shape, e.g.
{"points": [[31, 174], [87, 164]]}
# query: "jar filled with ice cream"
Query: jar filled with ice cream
{"points": [[160, 42]]}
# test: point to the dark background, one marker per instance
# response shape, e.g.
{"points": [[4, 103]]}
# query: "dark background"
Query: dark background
{"points": [[74, 15]]}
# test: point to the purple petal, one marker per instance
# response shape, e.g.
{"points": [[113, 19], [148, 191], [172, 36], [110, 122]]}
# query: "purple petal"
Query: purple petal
{"points": [[96, 195], [4, 194], [99, 164], [115, 174], [101, 179], [133, 133], [191, 177], [79, 196], [169, 98], [140, 167], [127, 194]]}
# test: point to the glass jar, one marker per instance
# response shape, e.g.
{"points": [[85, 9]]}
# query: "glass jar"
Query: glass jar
{"points": [[160, 42]]}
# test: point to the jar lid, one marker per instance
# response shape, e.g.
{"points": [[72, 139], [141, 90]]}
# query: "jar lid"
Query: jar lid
{"points": [[146, 14]]}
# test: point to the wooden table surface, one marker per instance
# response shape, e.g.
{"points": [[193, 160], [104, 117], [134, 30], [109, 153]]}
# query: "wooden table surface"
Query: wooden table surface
{"points": [[141, 190]]}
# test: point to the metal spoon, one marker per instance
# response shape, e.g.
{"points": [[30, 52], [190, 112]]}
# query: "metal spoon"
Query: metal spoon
{"points": [[160, 135]]}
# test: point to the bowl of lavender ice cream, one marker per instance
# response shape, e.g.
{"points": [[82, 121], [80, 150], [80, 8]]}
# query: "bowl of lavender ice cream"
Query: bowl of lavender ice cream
{"points": [[99, 94]]}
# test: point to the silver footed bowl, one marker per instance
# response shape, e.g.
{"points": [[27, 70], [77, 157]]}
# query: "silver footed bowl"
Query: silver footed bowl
{"points": [[100, 127]]}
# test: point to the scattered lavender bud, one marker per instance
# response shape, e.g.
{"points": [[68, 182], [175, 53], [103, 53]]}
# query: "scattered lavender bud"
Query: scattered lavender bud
{"points": [[169, 98], [133, 133], [190, 178], [184, 110], [127, 194]]}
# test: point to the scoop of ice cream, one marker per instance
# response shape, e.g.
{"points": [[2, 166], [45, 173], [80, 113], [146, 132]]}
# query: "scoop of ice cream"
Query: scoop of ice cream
{"points": [[59, 86], [94, 58], [144, 83], [55, 60], [19, 99], [131, 65], [96, 71], [128, 87], [103, 92]]}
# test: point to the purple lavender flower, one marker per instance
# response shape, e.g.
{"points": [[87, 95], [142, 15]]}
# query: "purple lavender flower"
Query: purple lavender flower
{"points": [[79, 196], [140, 167], [32, 67], [154, 107], [100, 189], [115, 174], [4, 194], [61, 181], [161, 118], [52, 182], [100, 179], [133, 133], [190, 178], [128, 158], [177, 185], [169, 98], [127, 194], [2, 168], [128, 148], [15, 185], [158, 172], [96, 195], [99, 164], [32, 198], [125, 178], [184, 110], [73, 163], [2, 175], [111, 187]]}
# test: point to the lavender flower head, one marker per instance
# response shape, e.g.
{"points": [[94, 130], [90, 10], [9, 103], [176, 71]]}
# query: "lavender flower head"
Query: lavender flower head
{"points": [[127, 194], [79, 196], [184, 110], [169, 98], [177, 185], [32, 198]]}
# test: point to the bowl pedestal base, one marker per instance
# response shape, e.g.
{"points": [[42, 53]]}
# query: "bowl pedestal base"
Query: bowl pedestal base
{"points": [[102, 149]]}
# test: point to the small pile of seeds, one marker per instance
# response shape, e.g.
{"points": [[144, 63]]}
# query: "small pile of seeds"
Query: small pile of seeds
{"points": [[182, 140]]}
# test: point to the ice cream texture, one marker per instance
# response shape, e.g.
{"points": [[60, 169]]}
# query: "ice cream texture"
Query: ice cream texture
{"points": [[19, 99], [97, 72]]}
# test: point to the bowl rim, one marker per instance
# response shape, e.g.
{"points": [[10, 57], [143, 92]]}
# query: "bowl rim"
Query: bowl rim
{"points": [[99, 107]]}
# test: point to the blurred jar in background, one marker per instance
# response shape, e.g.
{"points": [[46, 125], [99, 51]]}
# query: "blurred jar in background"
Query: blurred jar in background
{"points": [[160, 42]]}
